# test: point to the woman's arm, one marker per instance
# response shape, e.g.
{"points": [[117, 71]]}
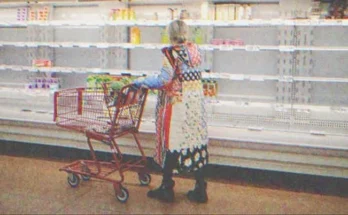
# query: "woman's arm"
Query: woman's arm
{"points": [[160, 80]]}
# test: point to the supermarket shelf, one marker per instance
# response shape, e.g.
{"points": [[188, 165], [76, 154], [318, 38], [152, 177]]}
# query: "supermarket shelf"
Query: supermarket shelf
{"points": [[217, 23], [77, 70], [206, 47], [53, 4], [211, 75]]}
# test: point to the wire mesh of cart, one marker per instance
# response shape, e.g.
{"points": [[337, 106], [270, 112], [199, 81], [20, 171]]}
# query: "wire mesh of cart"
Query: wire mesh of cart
{"points": [[103, 115]]}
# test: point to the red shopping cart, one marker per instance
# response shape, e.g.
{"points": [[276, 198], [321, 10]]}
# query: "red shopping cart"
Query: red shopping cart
{"points": [[103, 115]]}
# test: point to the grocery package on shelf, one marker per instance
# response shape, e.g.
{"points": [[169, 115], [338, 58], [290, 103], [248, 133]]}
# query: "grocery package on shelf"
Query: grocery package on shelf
{"points": [[210, 87], [122, 14], [42, 63], [43, 14], [164, 36], [135, 35], [338, 9], [43, 81], [315, 10], [197, 35], [39, 14], [22, 14], [235, 42], [116, 82], [32, 15]]}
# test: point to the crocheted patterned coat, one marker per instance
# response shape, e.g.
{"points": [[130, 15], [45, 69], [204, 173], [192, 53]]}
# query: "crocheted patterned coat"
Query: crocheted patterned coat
{"points": [[181, 127]]}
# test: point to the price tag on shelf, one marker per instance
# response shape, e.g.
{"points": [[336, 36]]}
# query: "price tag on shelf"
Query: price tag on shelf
{"points": [[256, 78], [149, 23], [317, 133], [128, 46], [345, 22], [73, 70], [337, 22], [43, 24], [124, 23], [224, 75], [288, 79], [255, 128], [102, 45], [315, 22], [96, 23], [221, 23], [201, 23], [96, 70], [2, 67], [45, 69], [19, 44], [289, 22], [286, 48], [250, 48], [214, 75], [149, 46], [17, 68], [32, 69], [84, 45], [237, 77], [276, 22], [214, 102], [247, 77], [226, 48], [44, 44], [55, 23], [67, 45], [65, 70], [54, 45], [241, 23], [258, 22], [32, 45], [208, 47]]}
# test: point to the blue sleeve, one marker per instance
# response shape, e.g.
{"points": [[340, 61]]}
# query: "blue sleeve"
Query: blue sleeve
{"points": [[155, 81]]}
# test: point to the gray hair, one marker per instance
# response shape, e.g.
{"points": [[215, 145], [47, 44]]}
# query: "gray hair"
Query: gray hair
{"points": [[178, 31]]}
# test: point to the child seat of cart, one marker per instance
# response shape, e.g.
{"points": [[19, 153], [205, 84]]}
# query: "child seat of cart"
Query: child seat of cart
{"points": [[124, 108]]}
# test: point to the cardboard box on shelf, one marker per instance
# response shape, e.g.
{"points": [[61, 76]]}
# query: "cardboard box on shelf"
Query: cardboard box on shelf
{"points": [[42, 63]]}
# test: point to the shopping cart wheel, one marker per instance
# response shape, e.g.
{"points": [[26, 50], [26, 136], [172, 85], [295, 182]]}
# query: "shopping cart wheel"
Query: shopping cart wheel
{"points": [[85, 177], [144, 178], [73, 180], [123, 195]]}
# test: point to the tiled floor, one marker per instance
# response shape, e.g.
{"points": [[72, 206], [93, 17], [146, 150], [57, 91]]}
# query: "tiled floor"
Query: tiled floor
{"points": [[35, 186]]}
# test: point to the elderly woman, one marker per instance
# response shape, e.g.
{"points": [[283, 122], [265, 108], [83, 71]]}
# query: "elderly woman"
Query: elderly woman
{"points": [[181, 127]]}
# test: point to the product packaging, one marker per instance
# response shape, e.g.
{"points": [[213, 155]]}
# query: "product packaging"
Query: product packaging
{"points": [[135, 35]]}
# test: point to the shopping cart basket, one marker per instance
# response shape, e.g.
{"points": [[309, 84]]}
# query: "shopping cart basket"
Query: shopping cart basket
{"points": [[103, 115]]}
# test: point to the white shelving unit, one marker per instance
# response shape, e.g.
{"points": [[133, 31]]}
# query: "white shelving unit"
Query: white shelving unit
{"points": [[207, 47], [290, 76], [163, 23]]}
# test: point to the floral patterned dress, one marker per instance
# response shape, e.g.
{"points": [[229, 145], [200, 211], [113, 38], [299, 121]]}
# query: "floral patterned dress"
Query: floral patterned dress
{"points": [[181, 127]]}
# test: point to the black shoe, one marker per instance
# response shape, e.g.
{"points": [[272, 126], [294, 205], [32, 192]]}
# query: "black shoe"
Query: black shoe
{"points": [[199, 194], [165, 192]]}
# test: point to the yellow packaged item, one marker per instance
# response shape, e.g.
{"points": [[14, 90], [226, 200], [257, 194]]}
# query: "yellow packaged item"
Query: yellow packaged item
{"points": [[135, 35]]}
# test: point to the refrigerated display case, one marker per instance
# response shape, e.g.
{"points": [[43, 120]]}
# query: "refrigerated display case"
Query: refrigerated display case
{"points": [[280, 83]]}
